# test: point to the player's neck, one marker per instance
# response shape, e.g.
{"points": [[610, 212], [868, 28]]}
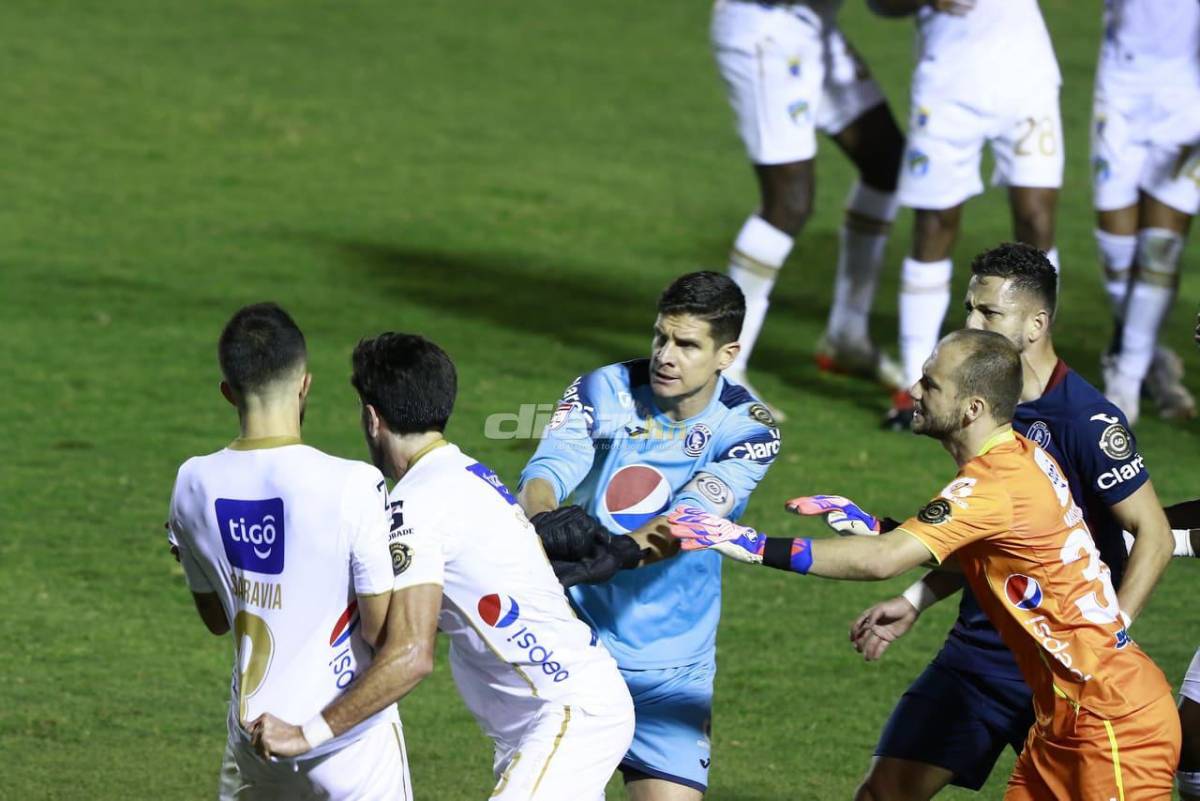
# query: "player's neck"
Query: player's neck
{"points": [[1038, 362], [683, 407], [404, 451], [975, 439], [269, 421]]}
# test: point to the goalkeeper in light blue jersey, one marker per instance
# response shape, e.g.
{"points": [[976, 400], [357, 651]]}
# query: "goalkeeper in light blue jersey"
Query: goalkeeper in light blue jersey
{"points": [[630, 442]]}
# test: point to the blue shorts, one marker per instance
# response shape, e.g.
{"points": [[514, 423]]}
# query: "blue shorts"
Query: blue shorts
{"points": [[958, 721], [673, 709]]}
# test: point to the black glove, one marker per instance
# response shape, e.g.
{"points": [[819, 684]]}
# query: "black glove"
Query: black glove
{"points": [[568, 533], [606, 560]]}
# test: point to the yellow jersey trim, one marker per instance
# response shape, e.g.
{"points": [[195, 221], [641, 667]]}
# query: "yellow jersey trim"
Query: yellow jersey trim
{"points": [[999, 438], [262, 443], [1116, 758], [557, 742], [437, 443], [921, 540]]}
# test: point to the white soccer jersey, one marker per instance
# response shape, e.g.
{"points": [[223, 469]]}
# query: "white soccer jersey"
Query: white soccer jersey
{"points": [[515, 643], [998, 48], [287, 537], [1151, 43]]}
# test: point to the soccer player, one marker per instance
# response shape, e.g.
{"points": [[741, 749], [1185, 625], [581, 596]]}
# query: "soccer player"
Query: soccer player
{"points": [[467, 561], [790, 72], [956, 718], [1106, 725], [986, 74], [288, 547], [630, 440], [1146, 188]]}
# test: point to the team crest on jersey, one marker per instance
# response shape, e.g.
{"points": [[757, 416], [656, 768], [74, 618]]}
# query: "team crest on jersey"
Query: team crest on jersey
{"points": [[1116, 443], [935, 512], [761, 414], [697, 439], [1039, 432], [636, 494], [794, 67], [1023, 592], [1101, 169], [401, 557], [499, 611], [798, 110], [918, 162], [922, 116]]}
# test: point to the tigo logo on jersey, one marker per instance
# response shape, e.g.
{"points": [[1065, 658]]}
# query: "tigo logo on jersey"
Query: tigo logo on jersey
{"points": [[499, 612], [636, 494], [252, 533], [489, 475], [343, 661], [502, 611], [1023, 592]]}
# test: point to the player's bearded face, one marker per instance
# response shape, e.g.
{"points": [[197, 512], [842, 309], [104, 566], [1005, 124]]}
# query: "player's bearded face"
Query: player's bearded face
{"points": [[684, 358], [936, 408], [993, 305]]}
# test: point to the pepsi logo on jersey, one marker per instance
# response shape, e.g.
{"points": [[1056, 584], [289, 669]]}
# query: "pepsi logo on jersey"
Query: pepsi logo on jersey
{"points": [[343, 660], [636, 494], [501, 612], [252, 533], [1023, 592]]}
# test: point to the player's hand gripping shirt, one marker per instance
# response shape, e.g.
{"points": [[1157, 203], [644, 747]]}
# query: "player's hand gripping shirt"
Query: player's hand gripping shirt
{"points": [[1089, 439], [1027, 554], [998, 49], [287, 537], [626, 463], [515, 643]]}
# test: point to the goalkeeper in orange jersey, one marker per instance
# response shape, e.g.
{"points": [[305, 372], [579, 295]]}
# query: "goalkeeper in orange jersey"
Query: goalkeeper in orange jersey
{"points": [[1106, 721]]}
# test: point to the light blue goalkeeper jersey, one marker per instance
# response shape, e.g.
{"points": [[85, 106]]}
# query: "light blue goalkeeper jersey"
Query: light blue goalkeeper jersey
{"points": [[626, 462]]}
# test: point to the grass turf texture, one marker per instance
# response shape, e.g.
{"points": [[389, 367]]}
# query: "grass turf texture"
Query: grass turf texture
{"points": [[517, 182]]}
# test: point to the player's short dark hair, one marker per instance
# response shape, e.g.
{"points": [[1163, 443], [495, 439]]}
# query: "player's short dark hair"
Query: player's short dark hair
{"points": [[260, 344], [990, 369], [409, 380], [712, 297], [1026, 266]]}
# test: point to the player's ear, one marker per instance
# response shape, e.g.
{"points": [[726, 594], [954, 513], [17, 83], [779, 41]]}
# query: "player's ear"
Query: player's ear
{"points": [[727, 353], [228, 393], [1039, 324], [372, 422], [305, 384]]}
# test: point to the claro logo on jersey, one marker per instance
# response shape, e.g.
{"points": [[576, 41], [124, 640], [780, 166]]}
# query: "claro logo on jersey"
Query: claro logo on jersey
{"points": [[761, 448], [1119, 475], [503, 612], [252, 533], [342, 663]]}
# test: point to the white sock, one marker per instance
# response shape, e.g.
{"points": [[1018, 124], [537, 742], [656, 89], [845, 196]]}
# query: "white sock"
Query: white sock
{"points": [[862, 240], [1151, 296], [1116, 259], [758, 252], [924, 298], [1183, 542]]}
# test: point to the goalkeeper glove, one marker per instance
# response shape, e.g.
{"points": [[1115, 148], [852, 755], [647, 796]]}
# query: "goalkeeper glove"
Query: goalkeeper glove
{"points": [[569, 533], [700, 530], [841, 514], [601, 564]]}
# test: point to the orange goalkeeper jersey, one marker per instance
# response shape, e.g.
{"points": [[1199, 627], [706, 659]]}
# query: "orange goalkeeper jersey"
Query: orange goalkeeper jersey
{"points": [[1028, 555]]}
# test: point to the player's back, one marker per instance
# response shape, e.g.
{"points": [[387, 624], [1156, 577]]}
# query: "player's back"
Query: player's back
{"points": [[1151, 43], [1040, 578], [998, 48], [284, 535], [515, 642]]}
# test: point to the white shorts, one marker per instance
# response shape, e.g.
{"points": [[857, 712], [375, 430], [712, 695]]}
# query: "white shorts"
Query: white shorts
{"points": [[563, 752], [1190, 688], [372, 768], [788, 75], [1146, 141], [946, 138]]}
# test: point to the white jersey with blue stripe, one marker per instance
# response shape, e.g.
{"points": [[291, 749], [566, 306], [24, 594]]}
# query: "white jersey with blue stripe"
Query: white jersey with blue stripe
{"points": [[626, 463]]}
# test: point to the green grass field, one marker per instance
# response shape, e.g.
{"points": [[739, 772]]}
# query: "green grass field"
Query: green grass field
{"points": [[517, 181]]}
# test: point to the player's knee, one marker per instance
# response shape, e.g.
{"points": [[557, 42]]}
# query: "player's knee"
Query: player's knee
{"points": [[1157, 256], [788, 196]]}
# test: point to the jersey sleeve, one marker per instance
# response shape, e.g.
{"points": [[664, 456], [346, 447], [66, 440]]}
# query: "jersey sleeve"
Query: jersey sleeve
{"points": [[418, 544], [365, 514], [568, 448], [723, 486], [969, 509], [177, 535], [1104, 452]]}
